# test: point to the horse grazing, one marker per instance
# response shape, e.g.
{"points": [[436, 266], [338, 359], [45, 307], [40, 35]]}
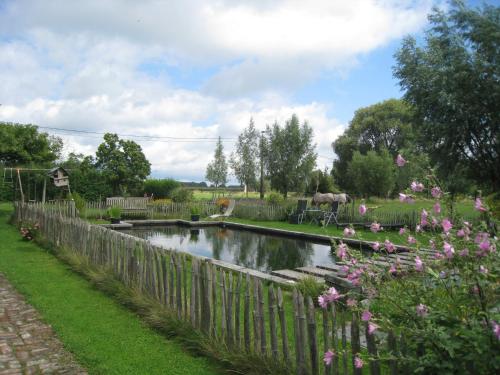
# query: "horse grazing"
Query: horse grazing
{"points": [[329, 198]]}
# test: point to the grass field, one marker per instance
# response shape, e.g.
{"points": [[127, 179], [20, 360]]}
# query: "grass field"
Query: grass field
{"points": [[104, 337]]}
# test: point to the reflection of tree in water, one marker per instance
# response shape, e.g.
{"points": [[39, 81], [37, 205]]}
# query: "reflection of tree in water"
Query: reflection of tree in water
{"points": [[245, 248], [256, 251]]}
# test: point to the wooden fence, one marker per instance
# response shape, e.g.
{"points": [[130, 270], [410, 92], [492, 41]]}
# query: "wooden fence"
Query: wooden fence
{"points": [[234, 310]]}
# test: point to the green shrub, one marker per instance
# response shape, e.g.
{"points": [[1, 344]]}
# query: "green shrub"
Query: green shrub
{"points": [[309, 287], [181, 195], [161, 188], [275, 198], [114, 212], [79, 203]]}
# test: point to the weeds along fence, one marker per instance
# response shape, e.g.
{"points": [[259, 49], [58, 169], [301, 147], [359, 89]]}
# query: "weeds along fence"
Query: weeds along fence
{"points": [[237, 313]]}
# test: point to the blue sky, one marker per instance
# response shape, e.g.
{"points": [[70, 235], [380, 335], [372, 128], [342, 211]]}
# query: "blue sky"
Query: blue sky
{"points": [[198, 69]]}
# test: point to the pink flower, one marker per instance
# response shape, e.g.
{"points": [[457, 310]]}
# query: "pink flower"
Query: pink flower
{"points": [[422, 310], [485, 245], [376, 246], [332, 295], [342, 251], [351, 302], [375, 227], [423, 218], [328, 357], [464, 252], [358, 362], [349, 232], [438, 256], [437, 208], [460, 233], [432, 244], [393, 269], [417, 186], [400, 161], [345, 269], [481, 237], [411, 240], [436, 192], [366, 316], [448, 250], [478, 205], [434, 222], [372, 327], [389, 246], [362, 209], [419, 265], [496, 330], [483, 269], [322, 302], [447, 225], [406, 198], [402, 231]]}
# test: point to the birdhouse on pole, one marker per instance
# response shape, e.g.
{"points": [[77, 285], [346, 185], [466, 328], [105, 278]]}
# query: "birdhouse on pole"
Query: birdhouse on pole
{"points": [[60, 177]]}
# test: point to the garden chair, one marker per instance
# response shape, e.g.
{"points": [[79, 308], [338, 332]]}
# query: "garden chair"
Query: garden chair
{"points": [[329, 216], [297, 217]]}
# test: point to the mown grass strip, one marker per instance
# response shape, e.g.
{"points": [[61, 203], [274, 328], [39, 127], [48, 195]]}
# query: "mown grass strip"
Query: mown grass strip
{"points": [[105, 337]]}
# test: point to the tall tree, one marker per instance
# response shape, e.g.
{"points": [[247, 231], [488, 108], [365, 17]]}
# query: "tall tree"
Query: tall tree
{"points": [[244, 160], [217, 169], [85, 178], [453, 81], [383, 126], [290, 156], [373, 174], [24, 145], [123, 164]]}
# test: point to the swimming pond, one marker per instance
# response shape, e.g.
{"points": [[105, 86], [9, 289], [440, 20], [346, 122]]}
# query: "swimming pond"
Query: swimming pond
{"points": [[262, 252]]}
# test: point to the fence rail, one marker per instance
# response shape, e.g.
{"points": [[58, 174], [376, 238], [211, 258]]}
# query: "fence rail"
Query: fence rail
{"points": [[238, 312]]}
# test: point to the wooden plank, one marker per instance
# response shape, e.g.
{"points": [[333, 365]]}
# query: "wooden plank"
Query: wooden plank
{"points": [[237, 306], [393, 352], [229, 314], [246, 314], [372, 350], [344, 342], [272, 323], [302, 330], [312, 337], [294, 275], [283, 328], [355, 344], [262, 321], [314, 271], [326, 340]]}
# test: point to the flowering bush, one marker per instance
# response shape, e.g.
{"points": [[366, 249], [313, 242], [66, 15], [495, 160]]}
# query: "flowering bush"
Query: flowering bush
{"points": [[29, 231], [446, 304]]}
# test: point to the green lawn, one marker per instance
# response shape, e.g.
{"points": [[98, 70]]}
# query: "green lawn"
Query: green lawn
{"points": [[104, 337], [361, 234]]}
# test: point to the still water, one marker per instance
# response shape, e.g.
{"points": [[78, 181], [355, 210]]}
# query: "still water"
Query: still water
{"points": [[245, 248]]}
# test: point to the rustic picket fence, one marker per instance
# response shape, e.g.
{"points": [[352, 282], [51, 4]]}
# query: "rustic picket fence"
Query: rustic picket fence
{"points": [[180, 210], [237, 311]]}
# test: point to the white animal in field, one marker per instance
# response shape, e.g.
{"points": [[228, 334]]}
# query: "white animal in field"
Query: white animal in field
{"points": [[329, 198]]}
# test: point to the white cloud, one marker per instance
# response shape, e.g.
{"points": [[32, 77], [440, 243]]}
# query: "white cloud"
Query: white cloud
{"points": [[84, 65]]}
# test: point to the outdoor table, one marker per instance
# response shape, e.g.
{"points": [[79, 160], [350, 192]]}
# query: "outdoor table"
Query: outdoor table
{"points": [[314, 214]]}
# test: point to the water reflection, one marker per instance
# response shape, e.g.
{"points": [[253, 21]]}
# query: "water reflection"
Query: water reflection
{"points": [[252, 250]]}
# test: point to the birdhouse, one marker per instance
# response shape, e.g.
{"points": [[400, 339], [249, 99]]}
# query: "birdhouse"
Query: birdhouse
{"points": [[60, 177]]}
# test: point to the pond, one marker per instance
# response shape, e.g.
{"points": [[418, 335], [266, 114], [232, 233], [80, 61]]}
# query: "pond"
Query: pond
{"points": [[262, 252]]}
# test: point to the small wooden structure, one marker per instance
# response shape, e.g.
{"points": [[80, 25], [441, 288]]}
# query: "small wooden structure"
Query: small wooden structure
{"points": [[60, 177]]}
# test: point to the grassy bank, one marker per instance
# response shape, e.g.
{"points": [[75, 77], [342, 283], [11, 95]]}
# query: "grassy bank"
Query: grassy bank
{"points": [[361, 234], [105, 337]]}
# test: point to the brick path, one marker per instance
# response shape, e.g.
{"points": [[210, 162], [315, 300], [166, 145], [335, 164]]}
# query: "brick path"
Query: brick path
{"points": [[28, 346]]}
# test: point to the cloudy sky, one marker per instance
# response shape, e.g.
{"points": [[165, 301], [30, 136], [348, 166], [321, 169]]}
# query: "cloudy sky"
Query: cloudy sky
{"points": [[183, 72]]}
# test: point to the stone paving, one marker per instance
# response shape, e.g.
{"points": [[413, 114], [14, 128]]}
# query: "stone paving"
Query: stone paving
{"points": [[27, 345]]}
